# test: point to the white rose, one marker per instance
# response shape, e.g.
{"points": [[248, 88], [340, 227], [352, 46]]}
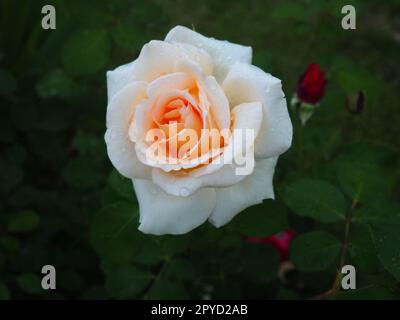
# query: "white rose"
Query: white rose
{"points": [[195, 83]]}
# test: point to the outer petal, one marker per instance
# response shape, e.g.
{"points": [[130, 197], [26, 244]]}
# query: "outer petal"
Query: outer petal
{"points": [[252, 190], [161, 213], [121, 150], [224, 53], [247, 116], [245, 83], [119, 78], [158, 58]]}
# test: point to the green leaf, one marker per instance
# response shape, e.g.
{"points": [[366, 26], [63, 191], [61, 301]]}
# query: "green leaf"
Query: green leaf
{"points": [[4, 292], [379, 209], [23, 221], [114, 234], [316, 199], [387, 238], [123, 186], [150, 254], [86, 52], [361, 249], [126, 282], [363, 180], [314, 251], [30, 283], [262, 220], [181, 269], [164, 289], [260, 262]]}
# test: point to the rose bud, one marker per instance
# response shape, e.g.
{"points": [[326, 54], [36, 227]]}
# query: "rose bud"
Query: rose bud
{"points": [[355, 103], [311, 85], [310, 90], [280, 241]]}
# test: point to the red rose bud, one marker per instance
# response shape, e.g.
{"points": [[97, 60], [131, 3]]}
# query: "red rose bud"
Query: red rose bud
{"points": [[355, 103], [280, 241], [311, 86]]}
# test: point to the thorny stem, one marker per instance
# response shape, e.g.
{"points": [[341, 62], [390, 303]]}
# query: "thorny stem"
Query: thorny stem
{"points": [[336, 284]]}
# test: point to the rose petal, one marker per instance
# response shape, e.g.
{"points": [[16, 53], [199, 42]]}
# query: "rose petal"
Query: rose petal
{"points": [[252, 190], [158, 58], [224, 53], [245, 83], [161, 213], [172, 81], [216, 174], [216, 98], [119, 78], [120, 149]]}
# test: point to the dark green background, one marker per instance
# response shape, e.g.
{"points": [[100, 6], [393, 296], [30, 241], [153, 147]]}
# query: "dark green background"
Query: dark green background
{"points": [[63, 204]]}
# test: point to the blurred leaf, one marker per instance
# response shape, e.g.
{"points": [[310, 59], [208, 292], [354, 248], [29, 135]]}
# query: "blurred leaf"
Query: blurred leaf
{"points": [[127, 282], [90, 13], [260, 262], [86, 52], [164, 289], [83, 172], [128, 37], [290, 10], [315, 199], [286, 294], [56, 84], [181, 270], [114, 234], [4, 292], [53, 118], [30, 283], [261, 220], [314, 251], [10, 175], [94, 293], [10, 244], [123, 186], [8, 83], [172, 245], [88, 144], [368, 293], [23, 221]]}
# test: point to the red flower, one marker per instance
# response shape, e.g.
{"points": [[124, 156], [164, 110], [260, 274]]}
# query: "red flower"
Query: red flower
{"points": [[311, 86], [281, 241]]}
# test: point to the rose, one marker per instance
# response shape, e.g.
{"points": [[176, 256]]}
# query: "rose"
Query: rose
{"points": [[189, 82], [311, 85]]}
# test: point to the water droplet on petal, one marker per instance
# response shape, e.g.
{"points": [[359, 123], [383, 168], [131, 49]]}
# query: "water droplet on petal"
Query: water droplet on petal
{"points": [[184, 192]]}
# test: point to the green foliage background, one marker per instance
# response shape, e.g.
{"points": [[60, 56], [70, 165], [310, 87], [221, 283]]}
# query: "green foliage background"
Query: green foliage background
{"points": [[63, 204]]}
